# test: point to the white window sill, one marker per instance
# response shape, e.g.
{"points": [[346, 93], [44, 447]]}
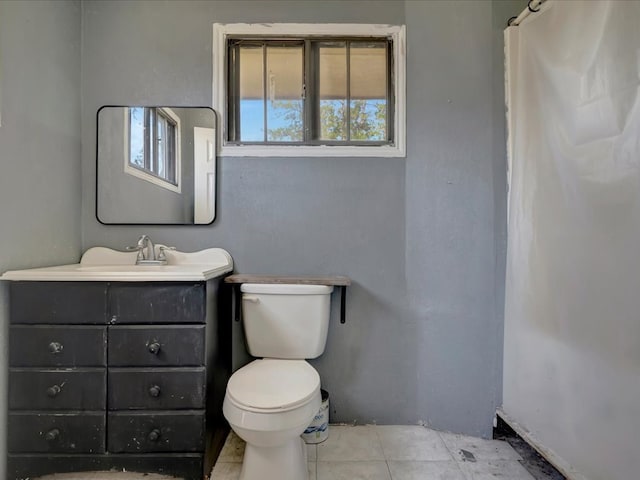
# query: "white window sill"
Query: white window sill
{"points": [[147, 177], [310, 151]]}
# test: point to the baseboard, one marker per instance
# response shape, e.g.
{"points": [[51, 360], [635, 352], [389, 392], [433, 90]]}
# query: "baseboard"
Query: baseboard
{"points": [[550, 456]]}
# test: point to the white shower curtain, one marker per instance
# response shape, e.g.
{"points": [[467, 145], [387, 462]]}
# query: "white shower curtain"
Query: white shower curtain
{"points": [[572, 306]]}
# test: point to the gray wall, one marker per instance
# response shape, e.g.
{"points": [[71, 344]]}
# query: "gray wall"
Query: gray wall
{"points": [[451, 187], [422, 238], [39, 146]]}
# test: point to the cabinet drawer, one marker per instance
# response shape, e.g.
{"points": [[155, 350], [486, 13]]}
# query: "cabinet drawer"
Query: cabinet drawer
{"points": [[141, 346], [58, 302], [79, 389], [57, 346], [156, 388], [79, 432], [156, 432], [166, 302]]}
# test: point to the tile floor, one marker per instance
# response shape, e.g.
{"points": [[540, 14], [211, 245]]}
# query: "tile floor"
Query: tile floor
{"points": [[394, 453], [105, 476]]}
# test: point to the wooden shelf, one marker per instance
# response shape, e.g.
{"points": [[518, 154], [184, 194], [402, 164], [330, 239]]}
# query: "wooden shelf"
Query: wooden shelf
{"points": [[332, 280], [339, 281]]}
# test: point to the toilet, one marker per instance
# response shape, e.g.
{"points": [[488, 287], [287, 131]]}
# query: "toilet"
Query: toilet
{"points": [[270, 402]]}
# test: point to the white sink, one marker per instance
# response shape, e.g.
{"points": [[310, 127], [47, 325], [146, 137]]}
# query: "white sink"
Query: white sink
{"points": [[105, 264]]}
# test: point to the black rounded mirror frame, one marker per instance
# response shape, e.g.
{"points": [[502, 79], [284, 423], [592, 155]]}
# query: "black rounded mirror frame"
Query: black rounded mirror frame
{"points": [[128, 189]]}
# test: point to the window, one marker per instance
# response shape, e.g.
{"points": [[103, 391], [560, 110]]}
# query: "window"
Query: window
{"points": [[153, 146], [310, 89]]}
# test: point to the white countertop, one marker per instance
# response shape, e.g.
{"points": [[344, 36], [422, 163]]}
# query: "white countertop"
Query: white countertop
{"points": [[104, 264]]}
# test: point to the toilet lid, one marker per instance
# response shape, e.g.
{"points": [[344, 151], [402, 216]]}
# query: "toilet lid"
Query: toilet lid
{"points": [[271, 384]]}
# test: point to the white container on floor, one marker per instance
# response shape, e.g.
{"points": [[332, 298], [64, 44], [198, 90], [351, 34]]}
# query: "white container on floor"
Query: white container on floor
{"points": [[318, 430]]}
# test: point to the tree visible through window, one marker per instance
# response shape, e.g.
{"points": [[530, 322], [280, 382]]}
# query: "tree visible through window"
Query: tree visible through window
{"points": [[310, 91]]}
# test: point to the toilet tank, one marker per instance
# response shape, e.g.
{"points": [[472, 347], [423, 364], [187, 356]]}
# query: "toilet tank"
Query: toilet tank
{"points": [[286, 321]]}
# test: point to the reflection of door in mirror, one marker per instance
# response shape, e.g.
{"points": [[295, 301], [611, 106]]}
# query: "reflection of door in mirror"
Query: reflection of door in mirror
{"points": [[204, 156], [168, 155]]}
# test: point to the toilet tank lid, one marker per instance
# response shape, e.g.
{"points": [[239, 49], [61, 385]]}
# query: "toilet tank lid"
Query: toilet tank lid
{"points": [[272, 384], [286, 288]]}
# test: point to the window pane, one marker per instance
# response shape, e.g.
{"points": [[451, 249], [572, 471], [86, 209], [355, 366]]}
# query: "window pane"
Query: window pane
{"points": [[149, 141], [368, 91], [136, 137], [285, 71], [161, 150], [251, 94], [171, 153], [333, 90], [346, 99]]}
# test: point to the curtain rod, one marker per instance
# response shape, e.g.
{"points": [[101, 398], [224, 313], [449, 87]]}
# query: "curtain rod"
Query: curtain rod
{"points": [[532, 7]]}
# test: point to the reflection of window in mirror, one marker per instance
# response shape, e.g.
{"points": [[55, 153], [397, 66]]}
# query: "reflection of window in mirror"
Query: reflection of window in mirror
{"points": [[152, 152]]}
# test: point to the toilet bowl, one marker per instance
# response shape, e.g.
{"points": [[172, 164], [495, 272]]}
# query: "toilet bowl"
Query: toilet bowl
{"points": [[271, 401]]}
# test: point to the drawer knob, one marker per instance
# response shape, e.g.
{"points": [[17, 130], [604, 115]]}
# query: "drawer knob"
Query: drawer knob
{"points": [[154, 435], [53, 390], [55, 347], [154, 391], [52, 435], [154, 348]]}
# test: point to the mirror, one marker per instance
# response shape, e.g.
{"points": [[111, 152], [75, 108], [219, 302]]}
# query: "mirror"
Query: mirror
{"points": [[156, 165]]}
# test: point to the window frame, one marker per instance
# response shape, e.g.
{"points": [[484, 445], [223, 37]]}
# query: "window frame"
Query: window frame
{"points": [[222, 33], [150, 175]]}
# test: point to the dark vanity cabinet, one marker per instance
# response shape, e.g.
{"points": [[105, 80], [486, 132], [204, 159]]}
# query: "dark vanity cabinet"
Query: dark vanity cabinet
{"points": [[116, 375]]}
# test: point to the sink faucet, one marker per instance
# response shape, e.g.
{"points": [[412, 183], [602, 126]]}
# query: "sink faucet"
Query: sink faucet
{"points": [[144, 242], [146, 251]]}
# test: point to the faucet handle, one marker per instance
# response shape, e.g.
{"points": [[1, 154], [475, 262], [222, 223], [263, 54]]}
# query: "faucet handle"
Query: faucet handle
{"points": [[139, 249], [162, 256]]}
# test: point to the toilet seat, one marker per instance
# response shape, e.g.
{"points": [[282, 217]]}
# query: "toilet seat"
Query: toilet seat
{"points": [[273, 385]]}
